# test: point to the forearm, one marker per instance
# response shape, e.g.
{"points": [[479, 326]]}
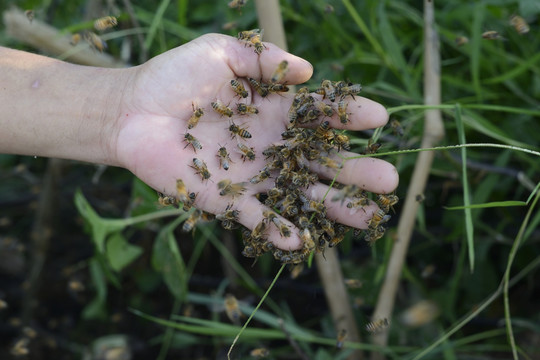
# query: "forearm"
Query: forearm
{"points": [[55, 109]]}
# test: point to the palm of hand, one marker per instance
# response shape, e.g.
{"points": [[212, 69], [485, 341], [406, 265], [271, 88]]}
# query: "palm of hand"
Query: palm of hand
{"points": [[154, 121]]}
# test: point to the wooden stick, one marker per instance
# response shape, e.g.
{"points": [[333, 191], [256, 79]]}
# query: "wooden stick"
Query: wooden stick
{"points": [[49, 40], [433, 133]]}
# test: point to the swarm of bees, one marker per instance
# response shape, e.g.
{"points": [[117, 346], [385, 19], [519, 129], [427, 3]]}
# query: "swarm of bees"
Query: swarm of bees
{"points": [[93, 39], [287, 164]]}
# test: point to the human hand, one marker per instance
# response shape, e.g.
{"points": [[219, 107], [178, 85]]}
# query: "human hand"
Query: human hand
{"points": [[157, 105]]}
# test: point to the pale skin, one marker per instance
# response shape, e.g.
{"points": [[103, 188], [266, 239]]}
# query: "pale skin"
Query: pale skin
{"points": [[136, 118]]}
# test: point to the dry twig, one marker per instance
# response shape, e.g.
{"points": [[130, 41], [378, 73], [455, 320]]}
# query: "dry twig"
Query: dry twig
{"points": [[433, 133]]}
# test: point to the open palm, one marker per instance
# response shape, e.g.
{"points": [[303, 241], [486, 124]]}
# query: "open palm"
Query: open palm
{"points": [[158, 104]]}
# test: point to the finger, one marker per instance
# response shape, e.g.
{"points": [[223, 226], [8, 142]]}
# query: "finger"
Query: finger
{"points": [[357, 217], [243, 60], [371, 174], [251, 214], [362, 114]]}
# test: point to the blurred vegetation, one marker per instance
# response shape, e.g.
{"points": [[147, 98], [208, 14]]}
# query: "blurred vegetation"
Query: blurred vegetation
{"points": [[138, 258]]}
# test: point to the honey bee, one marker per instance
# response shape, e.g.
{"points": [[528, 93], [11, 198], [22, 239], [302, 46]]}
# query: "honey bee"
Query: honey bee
{"points": [[253, 37], [191, 140], [396, 127], [260, 177], [341, 336], [350, 89], [247, 152], [239, 89], [237, 130], [328, 90], [221, 108], [377, 326], [232, 309], [105, 23], [75, 39], [229, 214], [386, 202], [324, 108], [29, 15], [372, 147], [307, 240], [29, 332], [192, 220], [194, 119], [188, 204], [181, 191], [342, 142], [258, 231], [249, 251], [313, 206], [347, 191], [270, 216], [230, 25], [519, 24], [296, 270], [165, 200], [358, 202], [260, 88], [95, 41], [224, 158], [491, 35], [374, 234], [3, 304], [378, 218], [244, 109], [276, 88], [200, 168], [229, 189], [324, 131], [20, 348], [461, 40], [342, 111], [280, 72], [331, 163], [260, 352]]}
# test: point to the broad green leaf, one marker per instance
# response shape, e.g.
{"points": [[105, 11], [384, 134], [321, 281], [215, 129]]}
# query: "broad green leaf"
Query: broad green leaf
{"points": [[120, 252]]}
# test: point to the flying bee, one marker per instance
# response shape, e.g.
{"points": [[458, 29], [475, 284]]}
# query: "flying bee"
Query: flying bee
{"points": [[519, 24], [166, 200], [194, 119], [192, 140], [260, 352], [350, 89], [95, 41], [232, 309], [491, 35], [105, 23], [224, 158], [261, 176], [353, 283], [342, 111], [386, 202], [244, 109], [201, 168], [377, 326], [3, 304], [20, 348], [280, 72], [75, 39], [328, 90], [221, 108], [261, 89], [461, 40], [396, 127], [247, 152], [192, 220], [239, 88], [229, 189], [296, 270], [372, 147], [331, 163], [181, 191], [379, 218], [29, 15], [341, 336], [237, 130], [237, 4], [347, 191], [324, 108]]}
